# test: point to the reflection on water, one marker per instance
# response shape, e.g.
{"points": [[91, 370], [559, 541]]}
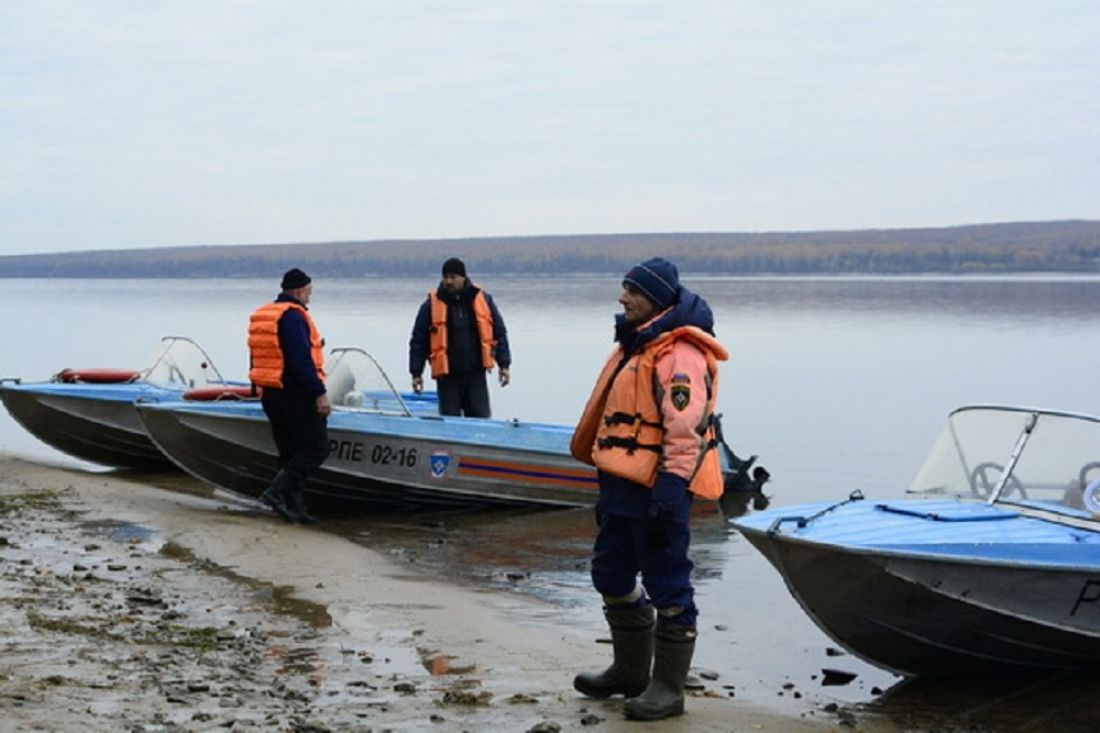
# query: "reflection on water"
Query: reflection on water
{"points": [[541, 553], [1067, 703]]}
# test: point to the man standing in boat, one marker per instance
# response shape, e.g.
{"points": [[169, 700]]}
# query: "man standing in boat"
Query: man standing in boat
{"points": [[648, 429], [288, 363], [460, 332]]}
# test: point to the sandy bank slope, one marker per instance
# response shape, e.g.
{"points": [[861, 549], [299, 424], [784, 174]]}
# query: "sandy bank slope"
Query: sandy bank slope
{"points": [[127, 607]]}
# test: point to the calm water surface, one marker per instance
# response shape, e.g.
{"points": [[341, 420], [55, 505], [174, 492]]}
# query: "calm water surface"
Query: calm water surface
{"points": [[837, 384]]}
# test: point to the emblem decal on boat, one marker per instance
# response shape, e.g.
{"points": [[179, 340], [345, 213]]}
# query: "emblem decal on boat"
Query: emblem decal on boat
{"points": [[441, 459]]}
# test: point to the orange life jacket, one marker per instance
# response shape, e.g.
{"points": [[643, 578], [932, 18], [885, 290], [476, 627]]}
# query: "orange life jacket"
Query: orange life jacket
{"points": [[263, 344], [621, 430], [437, 341]]}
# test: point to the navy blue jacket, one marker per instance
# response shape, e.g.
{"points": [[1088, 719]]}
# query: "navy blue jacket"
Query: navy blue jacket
{"points": [[463, 342], [299, 371]]}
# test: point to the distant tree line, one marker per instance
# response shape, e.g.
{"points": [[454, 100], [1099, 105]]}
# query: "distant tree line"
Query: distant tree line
{"points": [[1059, 246]]}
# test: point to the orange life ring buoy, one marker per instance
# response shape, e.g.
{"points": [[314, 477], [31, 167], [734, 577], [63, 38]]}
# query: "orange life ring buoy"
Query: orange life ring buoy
{"points": [[228, 392], [96, 376]]}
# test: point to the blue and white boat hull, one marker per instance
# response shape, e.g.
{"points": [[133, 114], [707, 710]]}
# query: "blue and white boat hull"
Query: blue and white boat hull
{"points": [[96, 423], [382, 461], [934, 588], [89, 413]]}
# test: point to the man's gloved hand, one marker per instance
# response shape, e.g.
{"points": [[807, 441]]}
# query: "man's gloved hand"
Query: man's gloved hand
{"points": [[669, 494]]}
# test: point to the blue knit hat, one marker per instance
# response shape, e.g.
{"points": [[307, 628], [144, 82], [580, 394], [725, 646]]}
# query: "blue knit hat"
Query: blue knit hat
{"points": [[656, 279]]}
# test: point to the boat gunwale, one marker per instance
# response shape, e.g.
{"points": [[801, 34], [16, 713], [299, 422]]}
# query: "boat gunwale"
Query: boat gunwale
{"points": [[895, 552], [245, 411]]}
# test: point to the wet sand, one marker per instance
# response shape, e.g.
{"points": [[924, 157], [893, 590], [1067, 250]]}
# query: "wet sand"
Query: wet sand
{"points": [[125, 607]]}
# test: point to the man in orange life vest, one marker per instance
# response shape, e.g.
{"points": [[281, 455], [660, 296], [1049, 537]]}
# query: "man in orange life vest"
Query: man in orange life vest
{"points": [[647, 428], [288, 362], [460, 332]]}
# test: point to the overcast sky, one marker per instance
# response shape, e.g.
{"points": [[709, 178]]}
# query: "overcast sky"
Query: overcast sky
{"points": [[144, 123]]}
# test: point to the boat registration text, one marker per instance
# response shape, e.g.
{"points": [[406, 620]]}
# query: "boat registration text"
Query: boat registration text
{"points": [[379, 453]]}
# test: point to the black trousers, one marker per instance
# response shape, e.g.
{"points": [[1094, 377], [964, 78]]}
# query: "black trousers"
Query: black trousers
{"points": [[463, 394], [301, 435]]}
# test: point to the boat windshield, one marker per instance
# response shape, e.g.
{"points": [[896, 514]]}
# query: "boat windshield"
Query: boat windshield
{"points": [[357, 382], [1018, 456], [182, 364]]}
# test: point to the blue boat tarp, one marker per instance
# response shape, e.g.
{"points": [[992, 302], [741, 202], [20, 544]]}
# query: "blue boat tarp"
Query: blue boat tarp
{"points": [[943, 528]]}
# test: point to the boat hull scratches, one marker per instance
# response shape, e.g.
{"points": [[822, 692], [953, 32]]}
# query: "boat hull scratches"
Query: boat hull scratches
{"points": [[107, 432], [905, 624]]}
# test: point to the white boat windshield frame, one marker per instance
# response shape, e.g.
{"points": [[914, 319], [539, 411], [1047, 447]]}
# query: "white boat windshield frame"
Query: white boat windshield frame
{"points": [[1029, 425], [362, 388], [182, 363], [1032, 459]]}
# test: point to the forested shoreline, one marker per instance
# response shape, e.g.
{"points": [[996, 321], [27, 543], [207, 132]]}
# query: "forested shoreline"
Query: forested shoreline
{"points": [[1061, 246]]}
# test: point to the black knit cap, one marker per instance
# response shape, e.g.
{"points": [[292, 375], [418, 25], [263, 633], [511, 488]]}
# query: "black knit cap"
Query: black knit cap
{"points": [[454, 266], [657, 279], [294, 279]]}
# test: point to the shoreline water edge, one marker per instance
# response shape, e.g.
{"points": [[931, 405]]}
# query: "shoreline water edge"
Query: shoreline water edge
{"points": [[129, 607]]}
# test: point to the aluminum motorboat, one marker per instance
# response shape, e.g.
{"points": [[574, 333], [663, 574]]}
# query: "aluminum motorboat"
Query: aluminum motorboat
{"points": [[387, 452], [89, 413], [990, 567]]}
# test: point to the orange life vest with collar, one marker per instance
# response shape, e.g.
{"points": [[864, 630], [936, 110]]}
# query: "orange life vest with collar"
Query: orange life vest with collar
{"points": [[437, 333], [263, 344], [621, 430]]}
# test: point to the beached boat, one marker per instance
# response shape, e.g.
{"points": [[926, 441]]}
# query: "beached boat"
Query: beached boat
{"points": [[89, 413], [385, 452], [995, 570]]}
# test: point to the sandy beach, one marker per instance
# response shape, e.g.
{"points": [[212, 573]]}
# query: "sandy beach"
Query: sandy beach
{"points": [[127, 607]]}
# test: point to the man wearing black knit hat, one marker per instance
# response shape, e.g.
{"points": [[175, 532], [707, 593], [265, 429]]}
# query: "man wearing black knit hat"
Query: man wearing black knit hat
{"points": [[648, 428], [461, 334], [288, 363]]}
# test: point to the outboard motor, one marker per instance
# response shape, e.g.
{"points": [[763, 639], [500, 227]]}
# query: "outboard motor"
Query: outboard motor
{"points": [[743, 482]]}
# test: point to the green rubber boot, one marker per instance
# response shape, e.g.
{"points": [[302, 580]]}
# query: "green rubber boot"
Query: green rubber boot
{"points": [[664, 698], [632, 641]]}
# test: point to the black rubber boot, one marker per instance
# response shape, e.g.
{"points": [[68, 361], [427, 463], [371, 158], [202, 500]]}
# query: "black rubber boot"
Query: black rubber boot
{"points": [[296, 505], [632, 641], [664, 698], [277, 496]]}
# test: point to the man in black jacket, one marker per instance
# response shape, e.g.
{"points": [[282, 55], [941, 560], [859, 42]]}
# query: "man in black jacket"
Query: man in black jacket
{"points": [[460, 332]]}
